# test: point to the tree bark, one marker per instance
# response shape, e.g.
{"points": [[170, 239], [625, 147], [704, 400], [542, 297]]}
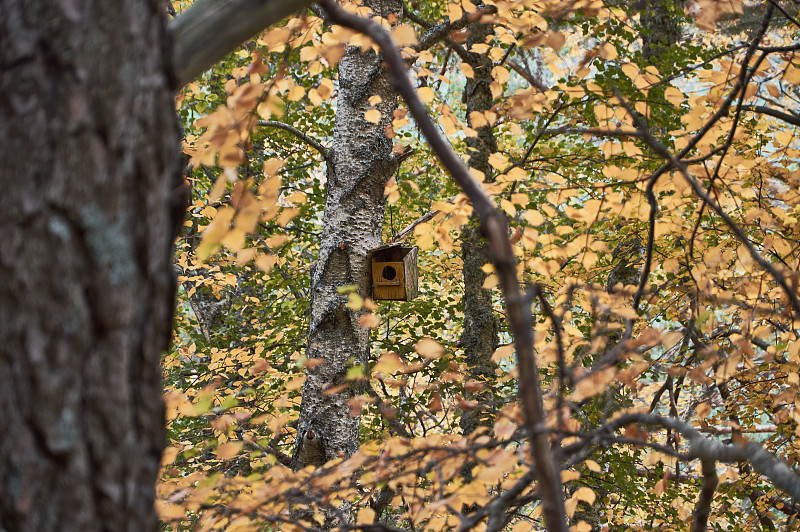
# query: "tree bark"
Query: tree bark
{"points": [[361, 163], [210, 29], [481, 328], [662, 30], [91, 201]]}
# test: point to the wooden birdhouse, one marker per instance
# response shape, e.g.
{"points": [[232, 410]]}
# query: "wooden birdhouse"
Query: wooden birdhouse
{"points": [[394, 272]]}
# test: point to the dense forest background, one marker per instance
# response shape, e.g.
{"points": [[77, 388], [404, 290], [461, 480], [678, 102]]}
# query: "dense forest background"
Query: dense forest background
{"points": [[644, 157], [604, 201]]}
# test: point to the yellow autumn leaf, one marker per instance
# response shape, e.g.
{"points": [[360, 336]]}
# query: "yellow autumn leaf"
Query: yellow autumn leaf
{"points": [[533, 217], [593, 384], [295, 383], [265, 262], [366, 516], [555, 40], [404, 35], [428, 347], [425, 94], [517, 174], [168, 456], [467, 70], [585, 494], [454, 11], [661, 486], [608, 51], [296, 93], [521, 526], [369, 321], [388, 363], [500, 74], [272, 166], [435, 404], [276, 240], [286, 216], [504, 428], [503, 353], [228, 450], [355, 301], [315, 97], [592, 466], [673, 96], [630, 70], [498, 161], [170, 512], [477, 119], [325, 88], [373, 116], [425, 242]]}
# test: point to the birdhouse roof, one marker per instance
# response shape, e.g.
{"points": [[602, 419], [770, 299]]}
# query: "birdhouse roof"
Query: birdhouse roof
{"points": [[393, 252], [390, 246]]}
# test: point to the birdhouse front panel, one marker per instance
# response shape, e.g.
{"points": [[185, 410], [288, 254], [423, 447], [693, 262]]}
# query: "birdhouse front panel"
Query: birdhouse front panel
{"points": [[388, 280], [394, 273]]}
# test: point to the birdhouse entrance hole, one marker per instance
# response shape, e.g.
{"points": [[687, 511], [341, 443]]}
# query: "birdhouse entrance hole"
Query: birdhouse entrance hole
{"points": [[389, 272], [394, 272]]}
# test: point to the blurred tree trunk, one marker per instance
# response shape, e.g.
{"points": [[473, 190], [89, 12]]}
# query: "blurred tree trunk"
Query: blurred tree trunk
{"points": [[661, 25], [92, 197]]}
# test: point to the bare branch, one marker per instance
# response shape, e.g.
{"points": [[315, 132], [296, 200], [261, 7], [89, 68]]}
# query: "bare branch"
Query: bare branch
{"points": [[785, 13], [700, 447], [756, 429], [763, 109], [297, 133], [522, 71], [410, 227], [441, 31], [283, 458], [703, 508], [210, 29]]}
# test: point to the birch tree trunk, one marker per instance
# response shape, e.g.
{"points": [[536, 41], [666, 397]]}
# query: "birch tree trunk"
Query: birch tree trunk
{"points": [[89, 162], [362, 163]]}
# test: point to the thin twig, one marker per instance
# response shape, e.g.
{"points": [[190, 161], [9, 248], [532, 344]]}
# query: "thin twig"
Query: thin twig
{"points": [[527, 76], [297, 133], [410, 227]]}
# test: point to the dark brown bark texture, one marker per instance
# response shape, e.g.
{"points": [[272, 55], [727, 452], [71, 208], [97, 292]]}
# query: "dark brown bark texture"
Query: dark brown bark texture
{"points": [[91, 199], [361, 163], [662, 27], [480, 336]]}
